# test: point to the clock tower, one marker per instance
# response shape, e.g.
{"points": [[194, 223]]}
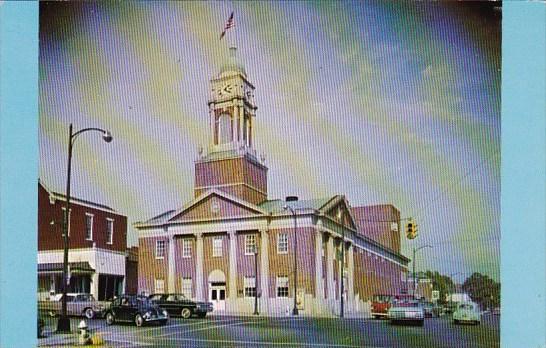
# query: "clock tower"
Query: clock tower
{"points": [[230, 163]]}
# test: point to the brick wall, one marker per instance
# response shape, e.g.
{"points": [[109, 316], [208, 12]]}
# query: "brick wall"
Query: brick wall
{"points": [[150, 268], [50, 225]]}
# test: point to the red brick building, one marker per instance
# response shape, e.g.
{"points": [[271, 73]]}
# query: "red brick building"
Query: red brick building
{"points": [[97, 246], [232, 243]]}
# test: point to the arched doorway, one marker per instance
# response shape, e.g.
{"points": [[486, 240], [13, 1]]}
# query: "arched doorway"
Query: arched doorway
{"points": [[217, 290]]}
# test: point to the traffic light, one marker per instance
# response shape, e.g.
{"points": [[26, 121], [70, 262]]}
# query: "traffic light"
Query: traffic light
{"points": [[411, 230]]}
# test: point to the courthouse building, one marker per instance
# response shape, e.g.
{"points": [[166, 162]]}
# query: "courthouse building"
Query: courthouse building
{"points": [[232, 243]]}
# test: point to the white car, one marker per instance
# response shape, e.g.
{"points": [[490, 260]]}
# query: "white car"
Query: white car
{"points": [[406, 312], [467, 313]]}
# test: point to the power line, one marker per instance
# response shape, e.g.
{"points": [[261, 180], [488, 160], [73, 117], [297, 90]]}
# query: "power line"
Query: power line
{"points": [[444, 191]]}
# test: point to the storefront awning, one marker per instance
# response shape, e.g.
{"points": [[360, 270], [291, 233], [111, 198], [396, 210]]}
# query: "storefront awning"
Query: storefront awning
{"points": [[75, 267]]}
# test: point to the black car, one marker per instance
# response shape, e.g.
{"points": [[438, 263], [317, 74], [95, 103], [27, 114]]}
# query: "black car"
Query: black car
{"points": [[178, 304], [136, 309]]}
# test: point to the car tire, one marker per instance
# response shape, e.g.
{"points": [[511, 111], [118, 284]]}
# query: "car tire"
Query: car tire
{"points": [[89, 313], [139, 321], [110, 319], [455, 321], [421, 323], [186, 313]]}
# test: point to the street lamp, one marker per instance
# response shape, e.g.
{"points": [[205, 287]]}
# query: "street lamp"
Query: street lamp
{"points": [[63, 325], [414, 277], [293, 211]]}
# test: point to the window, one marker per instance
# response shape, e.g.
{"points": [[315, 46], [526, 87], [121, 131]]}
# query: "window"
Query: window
{"points": [[250, 244], [159, 249], [88, 226], [282, 243], [250, 286], [282, 286], [187, 287], [69, 218], [159, 286], [109, 231], [224, 129], [217, 246], [186, 248]]}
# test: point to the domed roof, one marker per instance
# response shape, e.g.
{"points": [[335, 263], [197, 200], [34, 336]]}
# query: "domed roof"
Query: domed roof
{"points": [[232, 64]]}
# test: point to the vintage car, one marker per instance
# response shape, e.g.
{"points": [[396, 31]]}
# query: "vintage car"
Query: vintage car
{"points": [[178, 304], [77, 304], [407, 311], [428, 308], [381, 305], [467, 313], [137, 309]]}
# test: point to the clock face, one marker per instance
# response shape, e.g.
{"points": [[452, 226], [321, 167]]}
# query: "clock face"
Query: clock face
{"points": [[226, 89]]}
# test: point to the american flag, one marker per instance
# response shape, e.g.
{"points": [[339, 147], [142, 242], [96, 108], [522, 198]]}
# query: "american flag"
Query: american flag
{"points": [[230, 24]]}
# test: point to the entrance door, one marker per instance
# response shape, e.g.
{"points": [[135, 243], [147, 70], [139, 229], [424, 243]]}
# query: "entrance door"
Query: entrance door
{"points": [[217, 295]]}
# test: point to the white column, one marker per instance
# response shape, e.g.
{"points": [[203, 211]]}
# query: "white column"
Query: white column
{"points": [[232, 286], [239, 123], [171, 277], [212, 125], [234, 123], [319, 287], [94, 285], [330, 268], [250, 131], [350, 274], [199, 267], [264, 269]]}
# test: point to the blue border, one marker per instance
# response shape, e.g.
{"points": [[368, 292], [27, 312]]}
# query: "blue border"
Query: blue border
{"points": [[18, 172], [523, 195]]}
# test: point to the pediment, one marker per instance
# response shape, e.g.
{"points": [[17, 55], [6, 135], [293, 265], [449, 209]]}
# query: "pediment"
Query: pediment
{"points": [[216, 205], [339, 208]]}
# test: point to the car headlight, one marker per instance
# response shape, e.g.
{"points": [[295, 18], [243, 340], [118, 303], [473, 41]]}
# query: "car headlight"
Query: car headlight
{"points": [[165, 313], [147, 315]]}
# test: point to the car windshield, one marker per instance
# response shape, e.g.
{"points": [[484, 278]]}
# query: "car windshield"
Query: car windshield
{"points": [[406, 304], [382, 298], [141, 301]]}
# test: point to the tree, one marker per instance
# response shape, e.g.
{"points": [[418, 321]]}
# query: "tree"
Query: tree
{"points": [[483, 290], [442, 283]]}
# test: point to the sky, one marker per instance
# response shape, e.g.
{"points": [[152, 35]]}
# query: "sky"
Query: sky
{"points": [[383, 102]]}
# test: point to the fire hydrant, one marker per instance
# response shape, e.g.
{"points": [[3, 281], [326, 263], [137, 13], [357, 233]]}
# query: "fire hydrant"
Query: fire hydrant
{"points": [[84, 337]]}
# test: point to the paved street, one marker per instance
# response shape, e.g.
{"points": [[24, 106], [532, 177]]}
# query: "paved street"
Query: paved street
{"points": [[288, 332]]}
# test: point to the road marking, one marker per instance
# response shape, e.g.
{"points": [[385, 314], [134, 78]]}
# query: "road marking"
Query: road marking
{"points": [[237, 322], [133, 343], [257, 343]]}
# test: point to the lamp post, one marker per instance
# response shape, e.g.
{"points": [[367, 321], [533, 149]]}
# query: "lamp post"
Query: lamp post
{"points": [[293, 211], [63, 325], [414, 276]]}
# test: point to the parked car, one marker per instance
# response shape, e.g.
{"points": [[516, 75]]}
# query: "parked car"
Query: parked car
{"points": [[178, 304], [428, 308], [381, 305], [77, 304], [467, 313], [407, 312], [137, 309]]}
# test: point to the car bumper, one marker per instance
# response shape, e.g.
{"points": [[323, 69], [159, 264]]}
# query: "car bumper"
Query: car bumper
{"points": [[204, 309], [156, 319], [406, 316]]}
